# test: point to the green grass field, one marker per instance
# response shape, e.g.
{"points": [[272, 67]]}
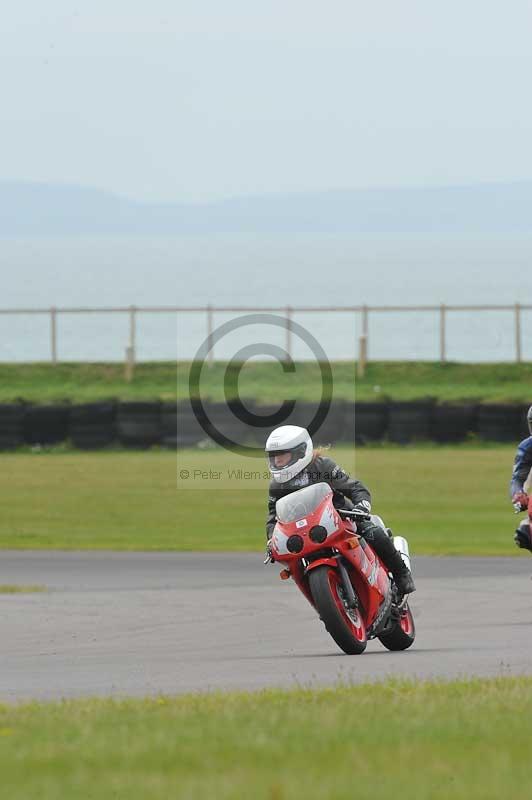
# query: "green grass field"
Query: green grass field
{"points": [[42, 383], [460, 740], [446, 500]]}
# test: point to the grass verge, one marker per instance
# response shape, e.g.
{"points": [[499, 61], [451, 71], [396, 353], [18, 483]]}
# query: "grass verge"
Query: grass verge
{"points": [[42, 383], [13, 588], [446, 500], [455, 740]]}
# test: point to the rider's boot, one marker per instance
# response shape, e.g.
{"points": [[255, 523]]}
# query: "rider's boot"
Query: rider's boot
{"points": [[403, 579], [391, 558], [523, 535]]}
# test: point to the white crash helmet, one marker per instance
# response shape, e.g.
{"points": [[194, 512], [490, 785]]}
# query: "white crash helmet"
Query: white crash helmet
{"points": [[289, 439]]}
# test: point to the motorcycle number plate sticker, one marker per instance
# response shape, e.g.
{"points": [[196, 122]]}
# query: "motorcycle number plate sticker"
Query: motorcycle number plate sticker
{"points": [[301, 523]]}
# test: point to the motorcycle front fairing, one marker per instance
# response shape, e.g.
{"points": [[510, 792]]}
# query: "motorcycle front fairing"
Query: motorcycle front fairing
{"points": [[310, 532]]}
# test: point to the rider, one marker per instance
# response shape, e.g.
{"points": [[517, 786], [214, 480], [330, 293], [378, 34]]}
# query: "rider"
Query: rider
{"points": [[294, 463], [521, 470]]}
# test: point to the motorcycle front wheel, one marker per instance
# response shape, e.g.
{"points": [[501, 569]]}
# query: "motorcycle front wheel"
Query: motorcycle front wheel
{"points": [[345, 625], [402, 634]]}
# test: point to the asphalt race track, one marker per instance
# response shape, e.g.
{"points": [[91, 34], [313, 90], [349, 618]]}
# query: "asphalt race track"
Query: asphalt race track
{"points": [[148, 623]]}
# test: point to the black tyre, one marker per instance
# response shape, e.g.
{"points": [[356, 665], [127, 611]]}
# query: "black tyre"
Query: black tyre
{"points": [[498, 422], [368, 422], [401, 636], [44, 425], [220, 421], [11, 425], [409, 422], [346, 626], [330, 430], [180, 426], [139, 424], [92, 425], [453, 423]]}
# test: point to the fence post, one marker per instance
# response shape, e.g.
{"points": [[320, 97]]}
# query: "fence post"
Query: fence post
{"points": [[362, 356], [518, 333], [288, 333], [363, 344], [130, 350], [53, 334], [210, 346], [442, 334]]}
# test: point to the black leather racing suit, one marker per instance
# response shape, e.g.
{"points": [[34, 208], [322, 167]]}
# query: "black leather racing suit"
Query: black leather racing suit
{"points": [[347, 492]]}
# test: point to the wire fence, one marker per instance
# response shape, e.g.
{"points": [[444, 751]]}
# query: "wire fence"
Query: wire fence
{"points": [[362, 315]]}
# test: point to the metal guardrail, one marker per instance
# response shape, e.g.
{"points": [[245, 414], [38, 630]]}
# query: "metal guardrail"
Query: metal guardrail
{"points": [[133, 311]]}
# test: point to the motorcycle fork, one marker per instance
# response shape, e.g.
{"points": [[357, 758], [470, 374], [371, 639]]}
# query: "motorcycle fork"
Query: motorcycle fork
{"points": [[352, 601]]}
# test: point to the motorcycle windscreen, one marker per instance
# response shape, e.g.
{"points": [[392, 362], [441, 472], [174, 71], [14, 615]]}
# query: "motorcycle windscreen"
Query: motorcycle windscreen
{"points": [[300, 504]]}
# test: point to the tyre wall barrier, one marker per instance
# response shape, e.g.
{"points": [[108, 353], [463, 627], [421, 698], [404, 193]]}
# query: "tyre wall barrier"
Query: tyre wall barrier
{"points": [[330, 430], [409, 422], [11, 425], [223, 420], [453, 423], [366, 422], [169, 425], [258, 434], [138, 424], [92, 426], [135, 424], [523, 431], [46, 424], [180, 427], [500, 423]]}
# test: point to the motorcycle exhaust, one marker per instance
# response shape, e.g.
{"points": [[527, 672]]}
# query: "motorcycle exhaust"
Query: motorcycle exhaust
{"points": [[401, 545]]}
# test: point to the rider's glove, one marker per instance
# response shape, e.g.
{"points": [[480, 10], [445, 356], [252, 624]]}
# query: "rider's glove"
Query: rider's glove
{"points": [[363, 524], [520, 501], [364, 506]]}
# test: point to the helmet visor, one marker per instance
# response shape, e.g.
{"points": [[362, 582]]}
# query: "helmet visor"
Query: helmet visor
{"points": [[281, 459]]}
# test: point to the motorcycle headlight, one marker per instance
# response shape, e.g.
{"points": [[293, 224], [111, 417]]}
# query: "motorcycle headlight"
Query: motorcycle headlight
{"points": [[294, 543], [318, 534]]}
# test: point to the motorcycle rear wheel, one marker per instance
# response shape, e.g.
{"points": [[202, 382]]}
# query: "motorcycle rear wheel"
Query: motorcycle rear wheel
{"points": [[401, 636], [345, 625]]}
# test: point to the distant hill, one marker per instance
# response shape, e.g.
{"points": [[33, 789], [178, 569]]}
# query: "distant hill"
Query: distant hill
{"points": [[33, 209]]}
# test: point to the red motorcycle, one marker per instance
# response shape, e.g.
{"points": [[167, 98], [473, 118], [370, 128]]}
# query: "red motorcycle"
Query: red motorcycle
{"points": [[338, 572]]}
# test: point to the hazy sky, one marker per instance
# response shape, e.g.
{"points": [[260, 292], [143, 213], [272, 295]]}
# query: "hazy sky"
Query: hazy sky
{"points": [[197, 99]]}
